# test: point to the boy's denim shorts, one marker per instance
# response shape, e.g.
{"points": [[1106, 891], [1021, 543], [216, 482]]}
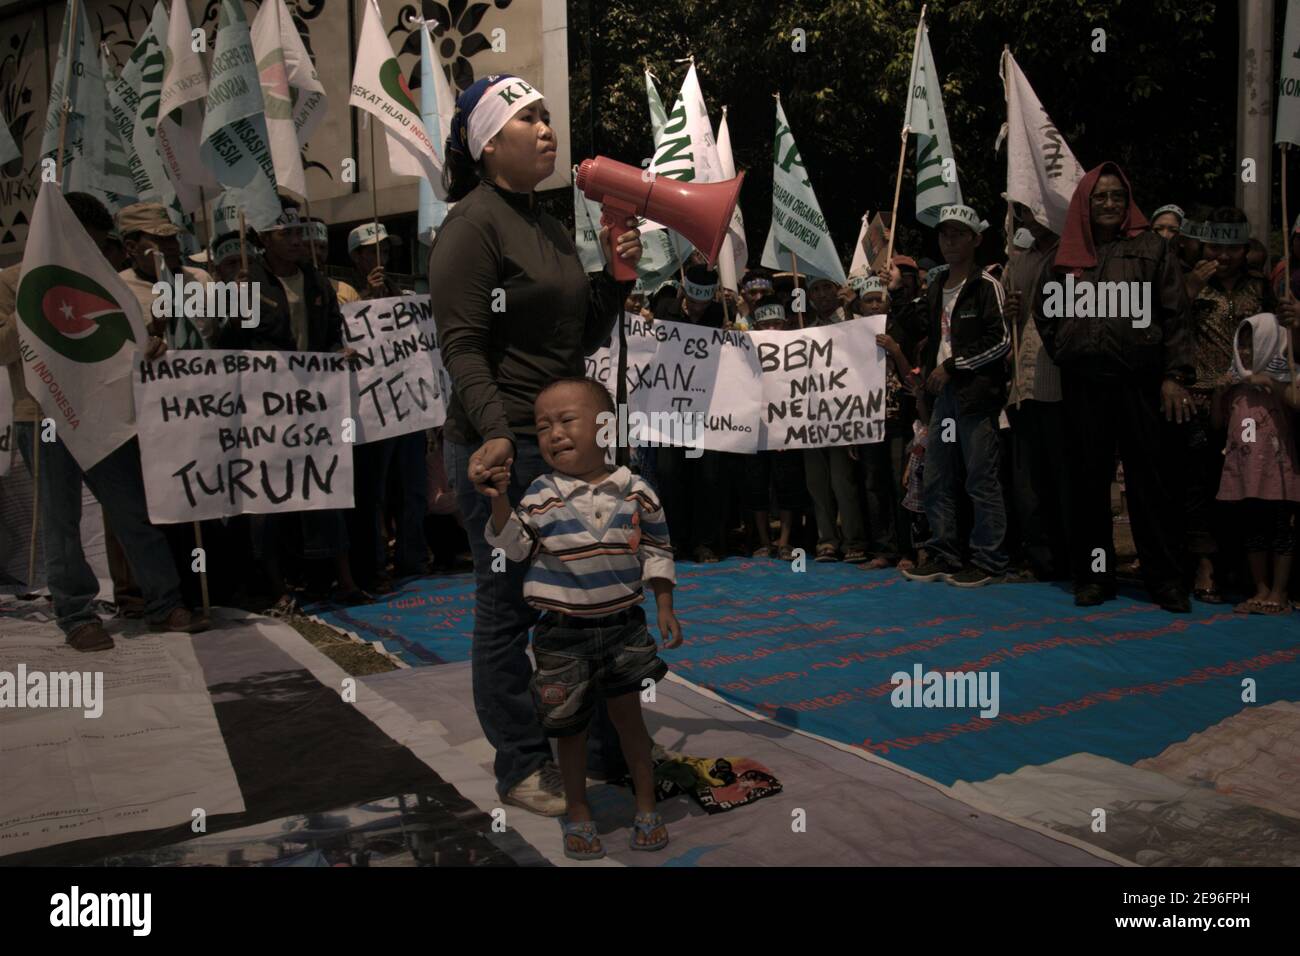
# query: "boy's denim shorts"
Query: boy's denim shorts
{"points": [[580, 660]]}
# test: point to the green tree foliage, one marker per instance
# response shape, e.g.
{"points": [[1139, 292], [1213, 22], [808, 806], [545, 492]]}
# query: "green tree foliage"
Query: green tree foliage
{"points": [[1160, 100]]}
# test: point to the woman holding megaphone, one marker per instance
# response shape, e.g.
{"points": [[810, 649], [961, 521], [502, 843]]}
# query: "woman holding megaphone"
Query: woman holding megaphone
{"points": [[514, 311]]}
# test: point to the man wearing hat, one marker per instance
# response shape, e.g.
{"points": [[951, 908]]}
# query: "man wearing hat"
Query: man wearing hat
{"points": [[299, 313], [153, 251], [117, 482], [369, 247], [964, 369], [694, 488]]}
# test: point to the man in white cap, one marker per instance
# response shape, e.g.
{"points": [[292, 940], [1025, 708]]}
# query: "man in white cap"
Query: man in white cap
{"points": [[369, 247], [964, 368], [153, 249]]}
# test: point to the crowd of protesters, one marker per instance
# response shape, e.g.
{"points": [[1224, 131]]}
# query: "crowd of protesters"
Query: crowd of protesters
{"points": [[1006, 429]]}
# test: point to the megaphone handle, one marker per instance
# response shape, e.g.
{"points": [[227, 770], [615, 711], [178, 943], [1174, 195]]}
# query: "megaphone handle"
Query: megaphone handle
{"points": [[613, 216]]}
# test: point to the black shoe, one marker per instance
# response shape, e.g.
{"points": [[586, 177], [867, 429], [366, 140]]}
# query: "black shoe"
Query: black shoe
{"points": [[1172, 598], [929, 571], [973, 577], [1090, 594]]}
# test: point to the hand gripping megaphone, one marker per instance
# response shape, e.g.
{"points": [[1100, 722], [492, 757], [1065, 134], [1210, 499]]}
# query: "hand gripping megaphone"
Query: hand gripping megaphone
{"points": [[699, 211]]}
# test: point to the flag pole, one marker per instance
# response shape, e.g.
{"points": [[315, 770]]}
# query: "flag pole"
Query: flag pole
{"points": [[67, 86], [306, 203], [1009, 222], [203, 574], [243, 247], [36, 497], [902, 154], [1286, 274], [374, 194], [794, 270], [36, 432]]}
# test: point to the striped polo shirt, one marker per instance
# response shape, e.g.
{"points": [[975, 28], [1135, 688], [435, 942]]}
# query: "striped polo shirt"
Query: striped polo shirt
{"points": [[591, 546]]}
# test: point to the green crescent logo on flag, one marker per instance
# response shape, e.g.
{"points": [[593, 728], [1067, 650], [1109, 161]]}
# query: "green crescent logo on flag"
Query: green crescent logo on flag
{"points": [[72, 314], [394, 84]]}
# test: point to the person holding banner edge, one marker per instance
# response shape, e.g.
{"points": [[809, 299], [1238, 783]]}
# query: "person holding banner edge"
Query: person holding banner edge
{"points": [[514, 311]]}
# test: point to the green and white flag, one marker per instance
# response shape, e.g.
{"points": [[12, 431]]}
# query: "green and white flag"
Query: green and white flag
{"points": [[125, 100], [379, 87], [234, 144], [797, 222], [83, 144], [1288, 90], [119, 188], [586, 227], [149, 84], [180, 109], [291, 87], [79, 329], [662, 250], [936, 177]]}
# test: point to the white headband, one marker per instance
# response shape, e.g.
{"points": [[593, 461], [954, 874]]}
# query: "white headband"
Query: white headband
{"points": [[499, 102]]}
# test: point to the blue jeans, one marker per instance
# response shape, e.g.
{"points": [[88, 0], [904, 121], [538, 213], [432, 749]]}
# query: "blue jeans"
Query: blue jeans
{"points": [[976, 447], [117, 483], [501, 670]]}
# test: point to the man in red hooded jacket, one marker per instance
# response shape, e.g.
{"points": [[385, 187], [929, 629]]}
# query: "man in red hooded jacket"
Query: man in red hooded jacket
{"points": [[1120, 370]]}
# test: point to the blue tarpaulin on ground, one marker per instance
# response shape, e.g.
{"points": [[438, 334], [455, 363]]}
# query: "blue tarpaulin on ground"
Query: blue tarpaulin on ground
{"points": [[818, 649]]}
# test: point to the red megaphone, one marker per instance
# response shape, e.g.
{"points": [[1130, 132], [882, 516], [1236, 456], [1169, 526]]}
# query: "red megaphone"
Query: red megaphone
{"points": [[699, 211]]}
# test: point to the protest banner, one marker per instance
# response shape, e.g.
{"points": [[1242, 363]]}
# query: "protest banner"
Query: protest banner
{"points": [[822, 386], [602, 364], [399, 384], [691, 385], [228, 432]]}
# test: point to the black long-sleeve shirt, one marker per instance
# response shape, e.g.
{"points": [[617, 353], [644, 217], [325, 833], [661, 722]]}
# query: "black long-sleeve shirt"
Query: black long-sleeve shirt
{"points": [[514, 310]]}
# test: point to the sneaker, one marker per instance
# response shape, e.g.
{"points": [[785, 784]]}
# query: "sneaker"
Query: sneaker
{"points": [[181, 618], [90, 636], [928, 571], [973, 577], [541, 792]]}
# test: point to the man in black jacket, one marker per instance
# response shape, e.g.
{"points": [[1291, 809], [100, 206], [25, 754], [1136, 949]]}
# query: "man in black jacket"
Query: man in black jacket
{"points": [[1112, 311], [964, 367]]}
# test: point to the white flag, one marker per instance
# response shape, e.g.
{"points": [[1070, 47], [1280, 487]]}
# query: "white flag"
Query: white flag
{"points": [[437, 107], [1288, 92], [380, 88], [797, 222], [735, 249], [180, 111], [148, 88], [1041, 170], [291, 87], [82, 328], [83, 143], [936, 168], [586, 229]]}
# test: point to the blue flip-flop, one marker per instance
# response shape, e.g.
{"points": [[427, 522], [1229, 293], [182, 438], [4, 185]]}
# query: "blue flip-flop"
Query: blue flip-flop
{"points": [[586, 832], [646, 824]]}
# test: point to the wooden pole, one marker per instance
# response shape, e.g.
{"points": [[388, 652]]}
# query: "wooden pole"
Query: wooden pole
{"points": [[36, 497], [311, 229], [243, 246], [794, 270], [1286, 275], [374, 194], [67, 86], [203, 575], [893, 216], [36, 432]]}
